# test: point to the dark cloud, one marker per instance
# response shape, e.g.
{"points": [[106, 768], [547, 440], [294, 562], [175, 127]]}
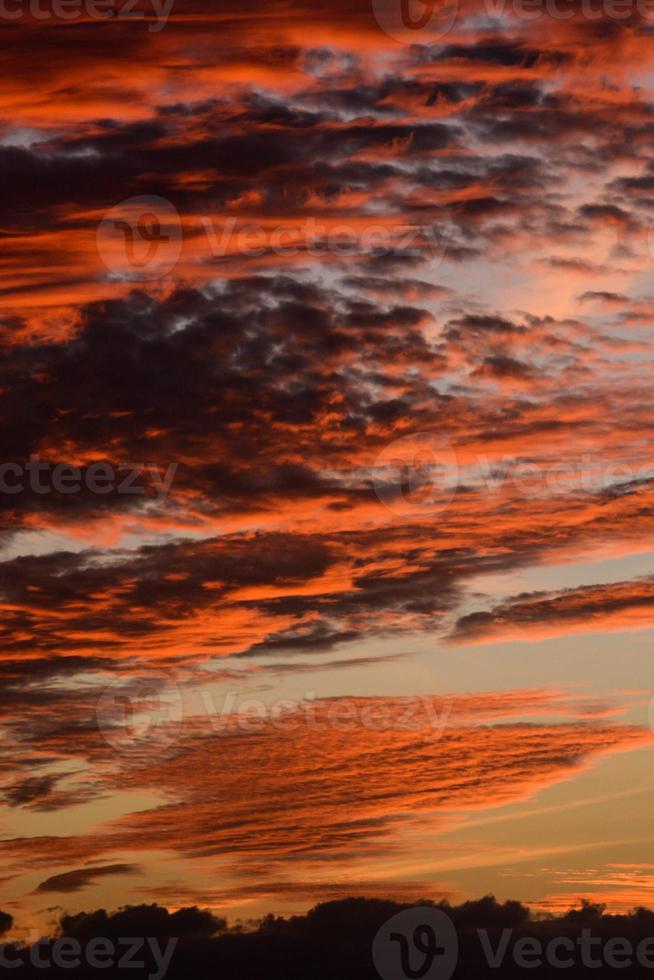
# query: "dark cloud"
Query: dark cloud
{"points": [[614, 606], [603, 296], [340, 934], [76, 881], [6, 922]]}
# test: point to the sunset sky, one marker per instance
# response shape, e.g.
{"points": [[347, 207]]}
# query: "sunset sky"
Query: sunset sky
{"points": [[383, 608]]}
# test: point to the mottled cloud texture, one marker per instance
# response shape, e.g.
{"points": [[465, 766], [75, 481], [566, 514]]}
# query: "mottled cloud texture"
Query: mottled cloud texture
{"points": [[401, 359]]}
